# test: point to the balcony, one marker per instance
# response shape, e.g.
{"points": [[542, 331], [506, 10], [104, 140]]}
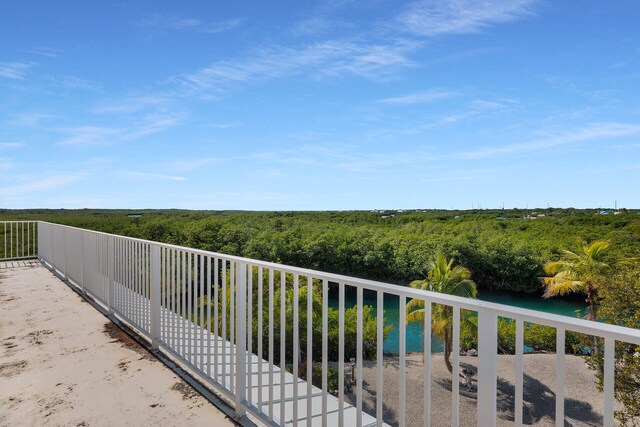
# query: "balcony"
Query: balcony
{"points": [[226, 320]]}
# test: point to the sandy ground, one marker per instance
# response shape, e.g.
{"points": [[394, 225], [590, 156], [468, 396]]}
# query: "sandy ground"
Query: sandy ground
{"points": [[64, 364], [583, 404]]}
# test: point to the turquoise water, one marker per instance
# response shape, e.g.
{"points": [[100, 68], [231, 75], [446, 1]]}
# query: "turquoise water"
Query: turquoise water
{"points": [[565, 307]]}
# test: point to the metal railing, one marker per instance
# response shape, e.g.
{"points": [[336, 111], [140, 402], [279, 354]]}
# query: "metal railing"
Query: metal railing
{"points": [[232, 321], [18, 240]]}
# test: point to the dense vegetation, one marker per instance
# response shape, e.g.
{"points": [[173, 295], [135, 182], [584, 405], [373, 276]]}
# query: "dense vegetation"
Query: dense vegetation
{"points": [[504, 250]]}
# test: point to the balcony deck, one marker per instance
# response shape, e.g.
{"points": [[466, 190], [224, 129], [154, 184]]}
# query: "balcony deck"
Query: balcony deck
{"points": [[20, 279], [62, 364]]}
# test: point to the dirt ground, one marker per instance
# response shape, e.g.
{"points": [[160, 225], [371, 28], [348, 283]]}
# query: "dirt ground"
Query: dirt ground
{"points": [[62, 363]]}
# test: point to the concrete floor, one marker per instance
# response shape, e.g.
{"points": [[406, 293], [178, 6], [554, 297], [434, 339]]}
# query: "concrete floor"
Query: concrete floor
{"points": [[64, 363]]}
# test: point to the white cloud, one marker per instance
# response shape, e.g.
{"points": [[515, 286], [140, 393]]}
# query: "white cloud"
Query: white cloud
{"points": [[15, 70], [440, 17], [167, 22], [147, 176], [418, 97], [11, 145], [345, 157], [44, 51], [48, 182], [132, 105], [588, 133], [30, 119], [82, 136], [334, 57], [220, 27]]}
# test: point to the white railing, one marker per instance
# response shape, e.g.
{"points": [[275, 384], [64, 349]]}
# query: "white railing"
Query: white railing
{"points": [[223, 318], [19, 240]]}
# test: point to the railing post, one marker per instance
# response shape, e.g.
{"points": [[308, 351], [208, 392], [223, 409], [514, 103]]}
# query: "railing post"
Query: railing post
{"points": [[110, 272], [241, 338], [64, 252], [155, 296], [40, 254], [487, 368], [82, 262]]}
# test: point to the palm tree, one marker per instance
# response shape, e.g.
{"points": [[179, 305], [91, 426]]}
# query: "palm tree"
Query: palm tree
{"points": [[443, 277], [578, 271]]}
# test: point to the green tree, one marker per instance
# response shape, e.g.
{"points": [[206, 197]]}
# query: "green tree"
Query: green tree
{"points": [[578, 271], [443, 277], [620, 305]]}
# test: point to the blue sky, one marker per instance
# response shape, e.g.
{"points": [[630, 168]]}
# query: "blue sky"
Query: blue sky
{"points": [[317, 106]]}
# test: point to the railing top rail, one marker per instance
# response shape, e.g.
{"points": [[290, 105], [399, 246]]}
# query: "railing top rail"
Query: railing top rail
{"points": [[22, 220], [549, 319]]}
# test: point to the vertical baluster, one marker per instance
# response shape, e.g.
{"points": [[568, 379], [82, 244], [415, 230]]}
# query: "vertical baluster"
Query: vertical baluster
{"points": [[283, 339], [341, 355], [560, 340], [224, 324], [519, 372], [487, 366], [183, 303], [403, 363], [380, 358], [259, 330], [241, 341], [249, 318], [455, 376], [609, 380], [296, 354], [426, 409], [201, 301], [359, 354], [209, 272], [174, 288], [309, 349], [271, 322], [325, 358], [189, 322], [232, 321], [216, 337]]}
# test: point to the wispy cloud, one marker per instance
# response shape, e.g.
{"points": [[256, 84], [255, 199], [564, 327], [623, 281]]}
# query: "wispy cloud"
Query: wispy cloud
{"points": [[46, 182], [221, 27], [441, 17], [348, 158], [334, 57], [132, 104], [30, 119], [5, 164], [189, 165], [82, 136], [86, 136], [11, 145], [591, 132], [72, 82], [418, 97], [169, 22], [15, 70], [44, 51], [147, 176]]}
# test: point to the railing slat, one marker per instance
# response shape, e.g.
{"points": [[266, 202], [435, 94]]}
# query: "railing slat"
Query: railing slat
{"points": [[380, 358], [487, 367], [609, 381], [455, 375], [519, 372], [402, 387], [560, 371], [426, 410]]}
